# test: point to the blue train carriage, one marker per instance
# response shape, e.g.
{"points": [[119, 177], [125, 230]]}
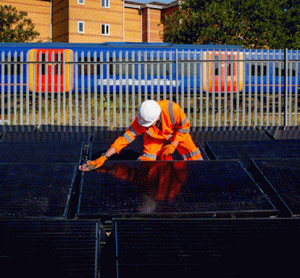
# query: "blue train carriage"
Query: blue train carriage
{"points": [[63, 67], [141, 67]]}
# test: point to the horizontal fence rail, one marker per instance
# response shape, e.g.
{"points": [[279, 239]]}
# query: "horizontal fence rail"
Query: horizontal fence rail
{"points": [[215, 88]]}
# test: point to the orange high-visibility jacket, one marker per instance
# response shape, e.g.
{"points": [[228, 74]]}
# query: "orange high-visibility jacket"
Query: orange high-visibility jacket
{"points": [[174, 125]]}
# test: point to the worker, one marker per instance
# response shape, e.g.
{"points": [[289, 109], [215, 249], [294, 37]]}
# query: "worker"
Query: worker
{"points": [[165, 128]]}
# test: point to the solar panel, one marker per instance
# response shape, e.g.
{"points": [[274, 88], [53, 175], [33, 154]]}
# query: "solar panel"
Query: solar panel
{"points": [[244, 150], [107, 135], [21, 137], [280, 179], [36, 190], [207, 188], [283, 132], [130, 152], [41, 152], [37, 248], [18, 128], [221, 135], [206, 247]]}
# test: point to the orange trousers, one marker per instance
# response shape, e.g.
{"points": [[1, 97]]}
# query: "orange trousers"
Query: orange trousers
{"points": [[153, 149]]}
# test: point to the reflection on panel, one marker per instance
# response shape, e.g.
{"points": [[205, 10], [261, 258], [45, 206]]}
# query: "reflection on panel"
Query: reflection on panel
{"points": [[175, 188]]}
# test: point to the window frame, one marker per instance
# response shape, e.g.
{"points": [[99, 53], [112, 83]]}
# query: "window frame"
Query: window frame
{"points": [[105, 4], [78, 27], [106, 28]]}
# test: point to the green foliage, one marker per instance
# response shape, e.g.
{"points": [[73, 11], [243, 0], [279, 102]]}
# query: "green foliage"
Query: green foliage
{"points": [[14, 26], [251, 23]]}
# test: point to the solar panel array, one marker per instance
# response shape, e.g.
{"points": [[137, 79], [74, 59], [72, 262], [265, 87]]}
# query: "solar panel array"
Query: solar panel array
{"points": [[246, 183]]}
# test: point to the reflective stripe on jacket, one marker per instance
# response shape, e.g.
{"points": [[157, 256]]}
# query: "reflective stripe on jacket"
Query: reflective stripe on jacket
{"points": [[174, 126]]}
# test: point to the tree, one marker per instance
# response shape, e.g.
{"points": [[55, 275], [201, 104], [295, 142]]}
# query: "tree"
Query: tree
{"points": [[251, 23], [14, 26]]}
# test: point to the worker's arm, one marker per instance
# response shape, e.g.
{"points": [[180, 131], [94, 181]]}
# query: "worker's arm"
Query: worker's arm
{"points": [[97, 163], [182, 125], [129, 136]]}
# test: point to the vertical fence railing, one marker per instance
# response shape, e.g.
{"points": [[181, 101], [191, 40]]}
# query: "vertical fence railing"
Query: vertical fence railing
{"points": [[215, 88]]}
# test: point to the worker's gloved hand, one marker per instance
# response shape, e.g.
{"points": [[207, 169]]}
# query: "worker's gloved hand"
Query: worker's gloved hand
{"points": [[93, 164], [169, 149]]}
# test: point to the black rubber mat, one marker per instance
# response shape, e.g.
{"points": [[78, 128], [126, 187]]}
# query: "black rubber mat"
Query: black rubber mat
{"points": [[280, 179], [227, 248], [164, 189], [49, 248], [36, 190]]}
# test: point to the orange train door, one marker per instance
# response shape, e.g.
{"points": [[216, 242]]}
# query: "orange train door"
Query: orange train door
{"points": [[217, 70], [42, 70]]}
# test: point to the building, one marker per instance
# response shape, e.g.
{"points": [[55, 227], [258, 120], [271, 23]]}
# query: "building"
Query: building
{"points": [[95, 21]]}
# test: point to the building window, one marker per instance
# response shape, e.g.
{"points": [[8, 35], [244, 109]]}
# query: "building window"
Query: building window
{"points": [[80, 27], [105, 3], [105, 29], [81, 2]]}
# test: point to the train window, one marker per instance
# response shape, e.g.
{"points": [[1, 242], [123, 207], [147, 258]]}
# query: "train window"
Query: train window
{"points": [[56, 67], [132, 69], [88, 65], [10, 65], [282, 72], [81, 2], [228, 68], [216, 70], [258, 70]]}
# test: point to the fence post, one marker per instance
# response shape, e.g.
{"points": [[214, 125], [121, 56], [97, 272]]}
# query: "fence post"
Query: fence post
{"points": [[285, 86]]}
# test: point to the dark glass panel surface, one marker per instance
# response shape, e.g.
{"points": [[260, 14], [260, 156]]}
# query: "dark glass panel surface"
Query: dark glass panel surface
{"points": [[227, 248], [171, 188], [36, 248], [41, 152], [244, 150], [35, 190], [227, 134], [282, 176]]}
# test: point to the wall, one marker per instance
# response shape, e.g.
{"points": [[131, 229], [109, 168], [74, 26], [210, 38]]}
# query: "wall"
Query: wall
{"points": [[38, 11]]}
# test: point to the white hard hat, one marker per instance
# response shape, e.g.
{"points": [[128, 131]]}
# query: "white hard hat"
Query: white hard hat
{"points": [[149, 112]]}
